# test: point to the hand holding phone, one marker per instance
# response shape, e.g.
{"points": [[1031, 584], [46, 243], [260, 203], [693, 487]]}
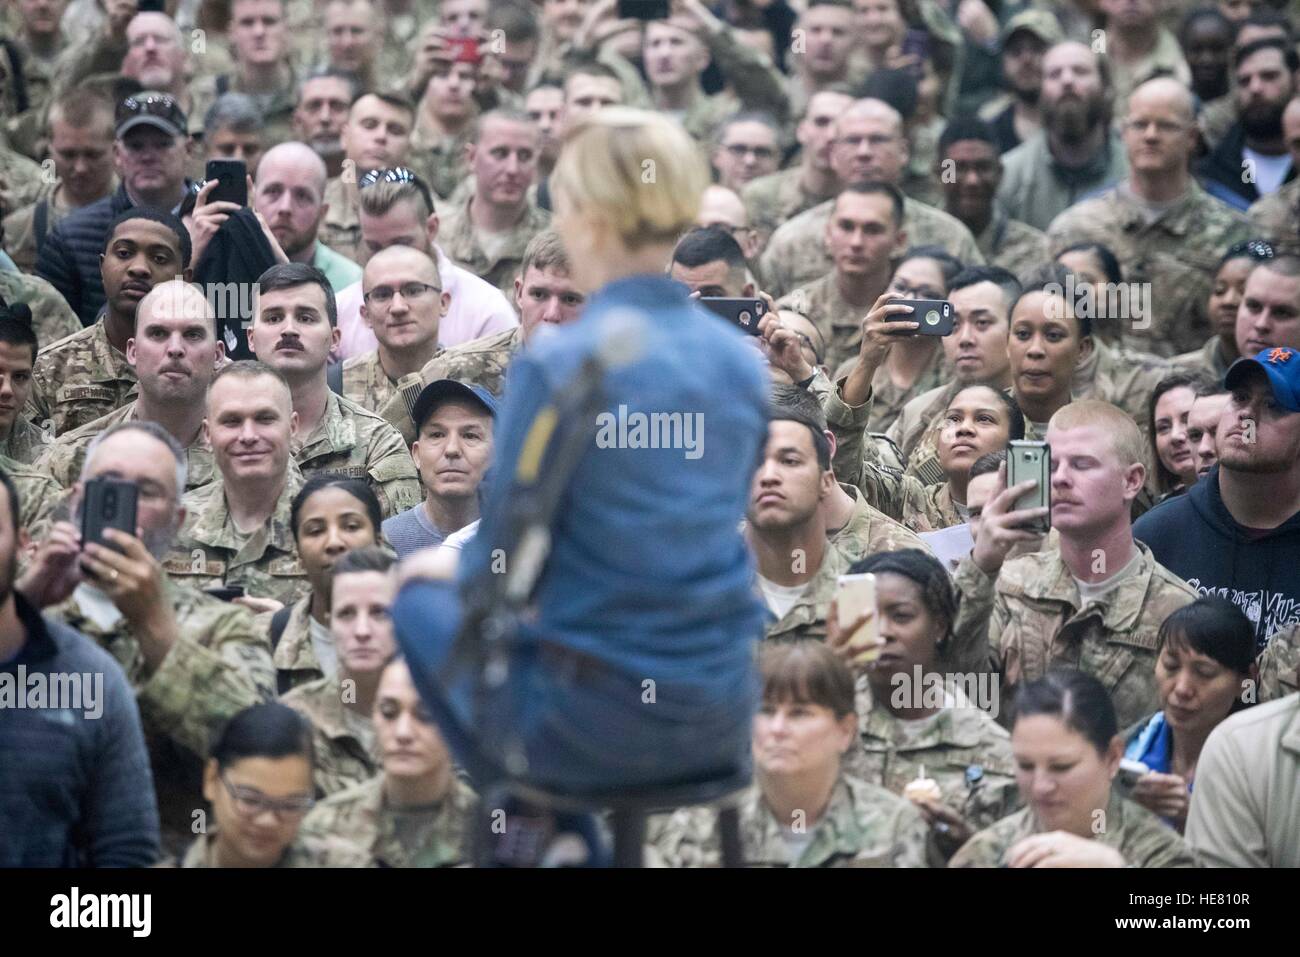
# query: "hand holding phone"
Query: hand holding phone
{"points": [[745, 313], [934, 317], [232, 181], [1031, 461], [855, 596]]}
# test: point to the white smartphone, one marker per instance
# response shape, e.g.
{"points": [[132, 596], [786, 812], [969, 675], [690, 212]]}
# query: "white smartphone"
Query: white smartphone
{"points": [[854, 595]]}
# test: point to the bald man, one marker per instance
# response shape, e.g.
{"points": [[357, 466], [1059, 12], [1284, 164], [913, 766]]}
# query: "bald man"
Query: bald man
{"points": [[290, 195], [1167, 232], [403, 304]]}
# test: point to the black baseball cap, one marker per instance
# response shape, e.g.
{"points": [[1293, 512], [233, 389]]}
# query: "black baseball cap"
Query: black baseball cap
{"points": [[439, 391], [150, 108]]}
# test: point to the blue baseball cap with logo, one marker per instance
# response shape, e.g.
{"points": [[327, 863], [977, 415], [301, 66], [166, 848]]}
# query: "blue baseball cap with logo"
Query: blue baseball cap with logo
{"points": [[1282, 366], [441, 390]]}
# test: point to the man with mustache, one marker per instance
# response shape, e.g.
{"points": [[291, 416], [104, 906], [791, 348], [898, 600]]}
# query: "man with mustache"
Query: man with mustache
{"points": [[85, 376], [192, 661], [175, 353], [1074, 153], [1252, 160], [293, 331]]}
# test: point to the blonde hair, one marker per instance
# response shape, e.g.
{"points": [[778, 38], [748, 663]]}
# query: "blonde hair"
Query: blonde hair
{"points": [[639, 171], [1125, 439]]}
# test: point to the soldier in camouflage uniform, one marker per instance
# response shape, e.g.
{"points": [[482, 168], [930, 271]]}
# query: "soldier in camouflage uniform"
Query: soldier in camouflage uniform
{"points": [[1279, 665], [346, 750], [1141, 838], [869, 530], [52, 317], [80, 378], [327, 851], [838, 320], [1276, 217], [38, 495], [459, 240]]}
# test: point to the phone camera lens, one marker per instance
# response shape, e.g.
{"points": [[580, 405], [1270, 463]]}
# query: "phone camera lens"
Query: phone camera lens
{"points": [[932, 317], [746, 318]]}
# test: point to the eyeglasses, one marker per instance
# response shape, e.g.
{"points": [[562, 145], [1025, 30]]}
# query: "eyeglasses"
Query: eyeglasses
{"points": [[383, 295], [397, 174], [808, 343], [250, 802]]}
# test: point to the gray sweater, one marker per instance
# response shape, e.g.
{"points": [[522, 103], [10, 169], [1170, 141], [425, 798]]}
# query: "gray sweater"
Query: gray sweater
{"points": [[75, 784]]}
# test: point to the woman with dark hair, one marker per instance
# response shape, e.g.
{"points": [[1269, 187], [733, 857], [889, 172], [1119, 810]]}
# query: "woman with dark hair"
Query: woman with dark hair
{"points": [[1171, 401], [329, 516], [258, 783], [1067, 751], [1204, 668], [920, 733], [1220, 350], [802, 810]]}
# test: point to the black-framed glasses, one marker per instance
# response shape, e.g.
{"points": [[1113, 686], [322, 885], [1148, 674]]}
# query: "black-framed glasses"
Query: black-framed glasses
{"points": [[398, 174], [250, 802], [383, 295]]}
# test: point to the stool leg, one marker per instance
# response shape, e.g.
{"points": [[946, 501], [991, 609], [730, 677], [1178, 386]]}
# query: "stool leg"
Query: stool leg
{"points": [[629, 838], [729, 831]]}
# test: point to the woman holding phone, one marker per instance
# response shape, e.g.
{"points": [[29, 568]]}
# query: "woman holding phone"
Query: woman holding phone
{"points": [[920, 735], [1067, 750]]}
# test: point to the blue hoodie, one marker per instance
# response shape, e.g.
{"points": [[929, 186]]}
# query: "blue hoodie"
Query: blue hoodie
{"points": [[1195, 537]]}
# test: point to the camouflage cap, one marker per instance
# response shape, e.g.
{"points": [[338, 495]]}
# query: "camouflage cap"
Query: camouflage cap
{"points": [[1041, 23]]}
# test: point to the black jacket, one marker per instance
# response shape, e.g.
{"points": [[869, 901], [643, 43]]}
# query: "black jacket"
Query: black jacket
{"points": [[236, 256], [1195, 537], [1221, 171]]}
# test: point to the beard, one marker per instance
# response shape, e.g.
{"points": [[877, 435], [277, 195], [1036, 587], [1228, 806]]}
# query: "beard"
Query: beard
{"points": [[1263, 120], [158, 541], [1073, 119]]}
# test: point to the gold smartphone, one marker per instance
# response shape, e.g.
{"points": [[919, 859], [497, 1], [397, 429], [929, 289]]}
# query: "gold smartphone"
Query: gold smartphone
{"points": [[854, 595]]}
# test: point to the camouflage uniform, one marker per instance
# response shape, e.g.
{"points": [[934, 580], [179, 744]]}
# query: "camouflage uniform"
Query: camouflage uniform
{"points": [[38, 495], [1279, 665], [21, 181], [921, 416], [52, 317], [20, 227], [458, 239], [1166, 59], [961, 748], [64, 458], [294, 656], [1011, 244], [25, 443], [806, 618], [441, 836], [218, 666], [1276, 217], [863, 826], [441, 159], [887, 399], [929, 507], [210, 553], [356, 443], [797, 252], [317, 851], [1037, 623], [340, 230], [869, 531], [754, 84], [773, 199], [481, 361], [1217, 117], [838, 320], [79, 379], [276, 107], [1177, 255], [1141, 837], [366, 383], [347, 751], [1209, 358]]}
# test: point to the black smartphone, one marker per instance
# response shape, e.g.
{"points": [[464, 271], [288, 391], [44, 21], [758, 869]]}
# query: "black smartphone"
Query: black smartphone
{"points": [[934, 316], [917, 43], [226, 592], [745, 313], [107, 503], [643, 9], [1027, 460], [232, 181], [151, 6]]}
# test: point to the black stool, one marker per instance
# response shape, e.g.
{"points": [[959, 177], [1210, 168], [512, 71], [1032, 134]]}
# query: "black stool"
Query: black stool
{"points": [[629, 810]]}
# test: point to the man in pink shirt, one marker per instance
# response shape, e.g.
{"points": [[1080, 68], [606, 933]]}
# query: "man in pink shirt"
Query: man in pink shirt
{"points": [[397, 210]]}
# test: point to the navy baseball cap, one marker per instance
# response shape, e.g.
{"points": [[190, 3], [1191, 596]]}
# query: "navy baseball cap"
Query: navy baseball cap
{"points": [[1281, 365], [439, 391]]}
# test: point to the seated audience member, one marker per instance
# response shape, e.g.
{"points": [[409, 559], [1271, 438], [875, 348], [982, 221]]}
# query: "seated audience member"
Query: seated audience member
{"points": [[803, 809], [452, 451], [330, 515], [912, 723], [1067, 750], [1205, 671], [258, 785], [1203, 426], [1220, 350], [1175, 458], [1037, 618], [417, 812], [82, 797], [20, 440], [339, 706]]}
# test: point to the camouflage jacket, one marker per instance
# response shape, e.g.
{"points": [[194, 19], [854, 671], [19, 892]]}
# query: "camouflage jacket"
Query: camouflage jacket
{"points": [[887, 399], [63, 459], [797, 255], [869, 531], [929, 507], [1166, 59], [1276, 217], [862, 826], [20, 232], [753, 84], [25, 443], [838, 320], [440, 836], [1011, 244], [481, 361], [210, 552], [351, 441], [1037, 623], [347, 751], [960, 747], [340, 230], [1169, 264], [806, 618], [459, 241], [1141, 837], [38, 494], [218, 666], [1279, 665], [78, 379], [773, 199], [1209, 358], [366, 383], [917, 419], [294, 656], [441, 159], [20, 180], [52, 317], [314, 851]]}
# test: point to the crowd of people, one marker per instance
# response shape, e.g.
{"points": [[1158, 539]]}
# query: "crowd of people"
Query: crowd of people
{"points": [[341, 386]]}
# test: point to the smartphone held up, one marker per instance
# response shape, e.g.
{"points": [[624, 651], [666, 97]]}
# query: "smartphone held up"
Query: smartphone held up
{"points": [[1032, 461], [855, 596]]}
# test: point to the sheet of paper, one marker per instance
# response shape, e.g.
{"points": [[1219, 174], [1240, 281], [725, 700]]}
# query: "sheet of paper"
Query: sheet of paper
{"points": [[950, 545]]}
